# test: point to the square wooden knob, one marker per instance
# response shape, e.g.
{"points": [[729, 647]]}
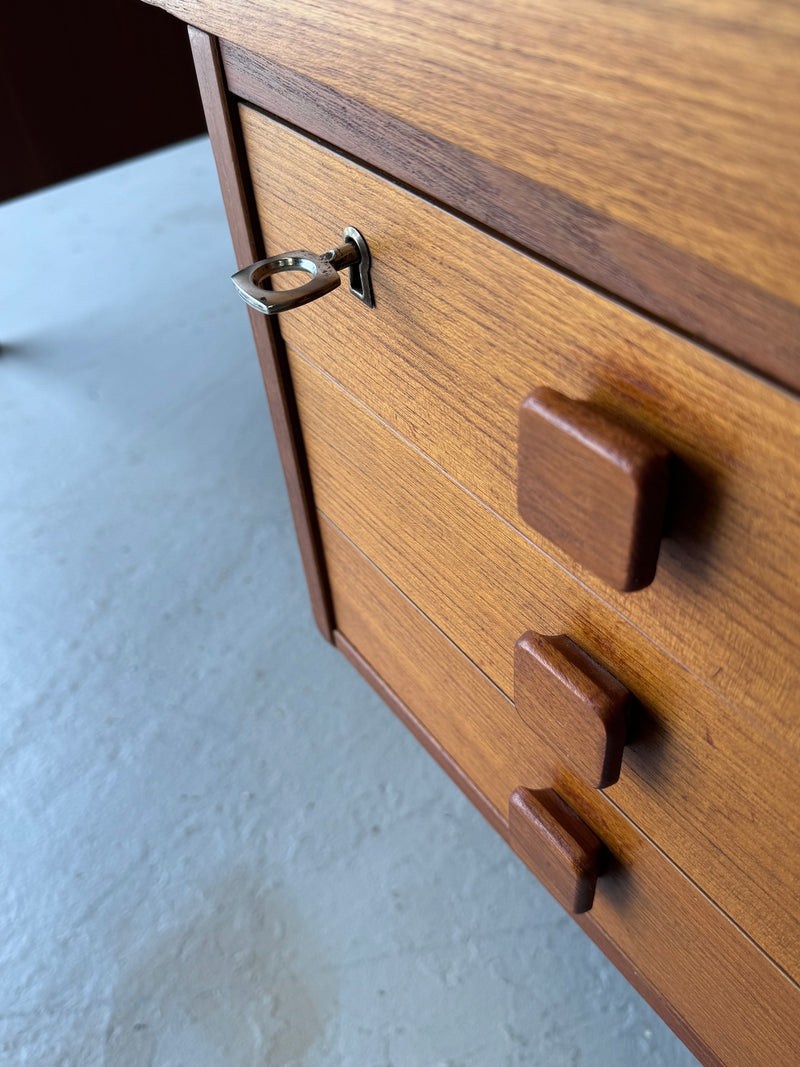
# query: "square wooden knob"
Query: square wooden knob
{"points": [[593, 487], [573, 704], [557, 845]]}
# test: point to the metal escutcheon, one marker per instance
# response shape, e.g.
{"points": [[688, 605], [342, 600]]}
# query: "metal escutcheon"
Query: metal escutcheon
{"points": [[324, 276]]}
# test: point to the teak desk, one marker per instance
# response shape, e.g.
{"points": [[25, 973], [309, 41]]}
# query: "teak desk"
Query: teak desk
{"points": [[547, 488]]}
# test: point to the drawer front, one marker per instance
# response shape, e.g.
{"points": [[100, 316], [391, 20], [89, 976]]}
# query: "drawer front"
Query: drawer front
{"points": [[715, 790], [464, 328], [653, 149], [713, 976]]}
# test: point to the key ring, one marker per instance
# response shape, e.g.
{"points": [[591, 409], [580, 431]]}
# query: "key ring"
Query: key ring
{"points": [[353, 253]]}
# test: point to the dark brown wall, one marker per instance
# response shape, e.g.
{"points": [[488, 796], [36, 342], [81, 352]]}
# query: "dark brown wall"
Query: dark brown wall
{"points": [[82, 86]]}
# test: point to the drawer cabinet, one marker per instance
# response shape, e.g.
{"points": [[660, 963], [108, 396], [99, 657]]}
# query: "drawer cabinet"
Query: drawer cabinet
{"points": [[581, 355], [484, 586], [465, 327]]}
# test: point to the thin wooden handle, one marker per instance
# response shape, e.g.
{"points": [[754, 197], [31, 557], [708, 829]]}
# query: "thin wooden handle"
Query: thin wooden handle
{"points": [[594, 487], [573, 704], [556, 845]]}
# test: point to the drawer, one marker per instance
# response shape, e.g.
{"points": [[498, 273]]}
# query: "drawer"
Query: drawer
{"points": [[652, 148], [465, 327], [715, 789], [717, 981]]}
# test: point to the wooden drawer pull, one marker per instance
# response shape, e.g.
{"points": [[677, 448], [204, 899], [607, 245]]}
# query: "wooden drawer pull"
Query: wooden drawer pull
{"points": [[573, 704], [556, 845], [592, 486]]}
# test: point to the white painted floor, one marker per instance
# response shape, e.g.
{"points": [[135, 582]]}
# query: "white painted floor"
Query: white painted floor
{"points": [[219, 849]]}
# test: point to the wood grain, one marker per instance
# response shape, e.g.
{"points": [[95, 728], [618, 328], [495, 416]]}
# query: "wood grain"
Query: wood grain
{"points": [[673, 122], [717, 982], [555, 843], [499, 823], [592, 486], [225, 132], [730, 313], [718, 791], [465, 327], [573, 704]]}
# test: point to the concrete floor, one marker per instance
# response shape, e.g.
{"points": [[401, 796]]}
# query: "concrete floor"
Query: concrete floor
{"points": [[219, 848]]}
